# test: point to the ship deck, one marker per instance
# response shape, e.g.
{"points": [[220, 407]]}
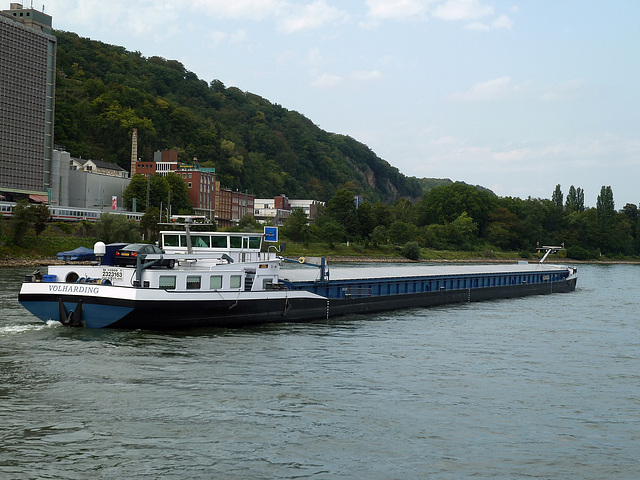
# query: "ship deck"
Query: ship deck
{"points": [[339, 273]]}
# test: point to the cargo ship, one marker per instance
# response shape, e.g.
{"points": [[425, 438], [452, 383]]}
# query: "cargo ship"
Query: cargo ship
{"points": [[228, 279]]}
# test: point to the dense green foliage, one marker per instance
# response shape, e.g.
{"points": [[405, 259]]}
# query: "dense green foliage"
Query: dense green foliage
{"points": [[454, 217], [461, 217], [116, 228], [105, 91]]}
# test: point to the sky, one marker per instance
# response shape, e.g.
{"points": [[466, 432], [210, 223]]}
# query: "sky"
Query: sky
{"points": [[516, 96]]}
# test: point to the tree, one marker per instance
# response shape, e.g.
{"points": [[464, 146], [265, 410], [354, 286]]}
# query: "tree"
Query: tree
{"points": [[630, 210], [401, 232], [575, 200], [557, 196], [116, 228], [446, 203], [342, 208], [329, 230], [137, 189], [179, 194], [149, 222], [605, 207], [580, 195], [504, 231], [379, 236], [464, 230], [366, 218], [411, 250], [296, 227], [21, 221], [611, 236], [158, 191], [40, 216], [248, 223]]}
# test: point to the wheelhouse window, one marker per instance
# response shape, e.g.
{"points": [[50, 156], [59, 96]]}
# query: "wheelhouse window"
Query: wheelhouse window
{"points": [[171, 241], [167, 282], [215, 282], [200, 241], [218, 241], [254, 242], [193, 282], [236, 242]]}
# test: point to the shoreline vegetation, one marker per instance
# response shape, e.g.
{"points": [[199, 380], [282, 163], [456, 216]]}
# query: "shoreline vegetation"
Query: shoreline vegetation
{"points": [[41, 251], [42, 257]]}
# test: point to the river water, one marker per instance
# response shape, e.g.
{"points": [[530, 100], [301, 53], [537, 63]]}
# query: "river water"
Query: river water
{"points": [[539, 387]]}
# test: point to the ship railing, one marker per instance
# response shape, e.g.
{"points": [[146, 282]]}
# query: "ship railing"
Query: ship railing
{"points": [[321, 265]]}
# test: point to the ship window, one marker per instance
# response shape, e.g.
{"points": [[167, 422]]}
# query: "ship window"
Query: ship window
{"points": [[218, 241], [193, 282], [254, 242], [215, 282], [200, 241], [167, 281], [235, 281], [267, 283], [236, 242]]}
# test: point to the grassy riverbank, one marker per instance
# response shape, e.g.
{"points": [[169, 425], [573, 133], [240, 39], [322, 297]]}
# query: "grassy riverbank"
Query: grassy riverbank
{"points": [[42, 251]]}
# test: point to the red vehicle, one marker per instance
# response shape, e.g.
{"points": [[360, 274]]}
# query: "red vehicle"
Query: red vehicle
{"points": [[129, 254]]}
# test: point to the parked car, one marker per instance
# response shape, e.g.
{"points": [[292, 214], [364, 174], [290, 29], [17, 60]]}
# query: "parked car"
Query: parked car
{"points": [[129, 254]]}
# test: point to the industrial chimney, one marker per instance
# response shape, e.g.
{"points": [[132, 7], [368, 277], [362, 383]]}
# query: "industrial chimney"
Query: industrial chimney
{"points": [[134, 151]]}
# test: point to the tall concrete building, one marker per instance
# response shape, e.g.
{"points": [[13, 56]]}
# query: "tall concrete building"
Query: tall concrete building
{"points": [[27, 95]]}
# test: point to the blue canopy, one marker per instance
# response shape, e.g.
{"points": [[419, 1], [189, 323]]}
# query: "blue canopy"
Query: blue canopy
{"points": [[77, 254]]}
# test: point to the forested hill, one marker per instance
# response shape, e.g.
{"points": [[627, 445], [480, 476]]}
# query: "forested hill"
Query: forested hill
{"points": [[104, 91]]}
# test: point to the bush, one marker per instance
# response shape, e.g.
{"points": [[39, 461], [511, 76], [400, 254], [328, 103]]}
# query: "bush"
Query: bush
{"points": [[579, 253], [64, 227], [411, 250]]}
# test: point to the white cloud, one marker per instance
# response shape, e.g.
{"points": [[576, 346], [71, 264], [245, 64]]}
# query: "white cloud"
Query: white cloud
{"points": [[502, 22], [486, 91], [239, 9], [327, 80], [312, 16], [462, 10], [352, 80], [565, 91], [397, 9], [478, 26]]}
